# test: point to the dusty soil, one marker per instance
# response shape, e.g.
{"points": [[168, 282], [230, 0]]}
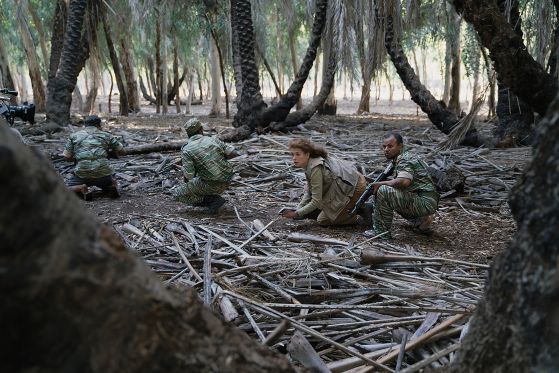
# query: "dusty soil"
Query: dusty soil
{"points": [[459, 232]]}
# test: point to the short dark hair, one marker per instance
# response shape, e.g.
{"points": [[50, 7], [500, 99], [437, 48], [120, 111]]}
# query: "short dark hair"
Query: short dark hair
{"points": [[92, 120], [396, 135]]}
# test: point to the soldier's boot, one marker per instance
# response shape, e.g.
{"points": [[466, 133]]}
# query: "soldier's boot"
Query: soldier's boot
{"points": [[366, 213], [214, 203]]}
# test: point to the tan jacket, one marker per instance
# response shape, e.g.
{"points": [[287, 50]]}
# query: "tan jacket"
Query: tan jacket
{"points": [[339, 179]]}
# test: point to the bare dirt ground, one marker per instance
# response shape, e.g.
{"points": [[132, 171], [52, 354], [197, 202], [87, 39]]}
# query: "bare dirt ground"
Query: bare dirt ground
{"points": [[461, 229]]}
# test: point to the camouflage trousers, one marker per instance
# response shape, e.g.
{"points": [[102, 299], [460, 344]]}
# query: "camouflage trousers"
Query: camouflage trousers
{"points": [[193, 191], [409, 205]]}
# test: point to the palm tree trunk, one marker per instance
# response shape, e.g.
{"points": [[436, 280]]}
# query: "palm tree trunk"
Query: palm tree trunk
{"points": [[516, 118], [130, 76], [75, 52], [236, 58], [176, 80], [158, 72], [215, 74], [454, 101], [301, 116], [41, 32], [442, 118], [554, 57], [278, 112], [515, 67], [57, 37], [32, 59], [163, 61], [119, 76], [92, 93], [447, 74], [6, 79], [250, 106]]}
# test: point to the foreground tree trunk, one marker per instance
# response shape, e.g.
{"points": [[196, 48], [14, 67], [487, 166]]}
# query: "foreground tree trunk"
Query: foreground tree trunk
{"points": [[515, 67], [75, 52], [519, 332], [75, 299]]}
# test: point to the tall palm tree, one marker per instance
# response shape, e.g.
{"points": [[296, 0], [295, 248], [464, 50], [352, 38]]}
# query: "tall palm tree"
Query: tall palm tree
{"points": [[74, 53]]}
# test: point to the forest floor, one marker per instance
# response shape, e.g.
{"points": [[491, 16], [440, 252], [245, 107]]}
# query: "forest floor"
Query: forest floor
{"points": [[475, 226], [311, 275]]}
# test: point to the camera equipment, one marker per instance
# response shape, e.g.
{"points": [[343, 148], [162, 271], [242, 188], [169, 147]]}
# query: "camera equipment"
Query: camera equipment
{"points": [[24, 111]]}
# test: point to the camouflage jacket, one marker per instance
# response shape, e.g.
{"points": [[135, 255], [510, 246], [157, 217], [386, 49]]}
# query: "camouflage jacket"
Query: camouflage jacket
{"points": [[409, 166], [90, 147], [205, 157]]}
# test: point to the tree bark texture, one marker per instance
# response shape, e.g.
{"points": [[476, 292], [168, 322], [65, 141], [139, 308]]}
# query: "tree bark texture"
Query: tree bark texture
{"points": [[40, 31], [75, 299], [442, 118], [515, 67], [250, 106], [554, 57], [119, 76], [516, 328], [145, 93], [368, 60], [176, 81], [158, 72], [516, 118], [329, 105], [215, 73], [456, 59], [236, 57], [306, 113], [6, 79], [32, 59], [57, 37], [130, 75], [75, 52], [163, 61]]}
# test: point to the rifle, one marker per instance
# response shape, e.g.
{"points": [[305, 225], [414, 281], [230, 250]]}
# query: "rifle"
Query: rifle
{"points": [[370, 188]]}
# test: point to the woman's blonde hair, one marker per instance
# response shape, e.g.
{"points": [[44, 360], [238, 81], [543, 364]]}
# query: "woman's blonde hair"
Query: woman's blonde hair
{"points": [[308, 147]]}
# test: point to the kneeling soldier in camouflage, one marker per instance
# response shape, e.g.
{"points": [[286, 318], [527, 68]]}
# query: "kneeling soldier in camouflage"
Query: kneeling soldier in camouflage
{"points": [[90, 148], [207, 173], [411, 193]]}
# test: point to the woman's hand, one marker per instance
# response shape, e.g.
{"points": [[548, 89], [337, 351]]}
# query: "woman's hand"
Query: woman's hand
{"points": [[289, 214]]}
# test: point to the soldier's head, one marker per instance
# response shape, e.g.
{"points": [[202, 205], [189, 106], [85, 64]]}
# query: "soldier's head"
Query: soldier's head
{"points": [[92, 120], [392, 145], [193, 127]]}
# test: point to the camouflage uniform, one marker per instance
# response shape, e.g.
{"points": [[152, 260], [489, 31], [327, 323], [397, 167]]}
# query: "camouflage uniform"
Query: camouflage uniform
{"points": [[90, 148], [205, 167], [417, 200]]}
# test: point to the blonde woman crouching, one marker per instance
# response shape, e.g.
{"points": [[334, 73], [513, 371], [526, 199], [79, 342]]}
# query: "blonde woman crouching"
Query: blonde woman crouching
{"points": [[333, 186]]}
